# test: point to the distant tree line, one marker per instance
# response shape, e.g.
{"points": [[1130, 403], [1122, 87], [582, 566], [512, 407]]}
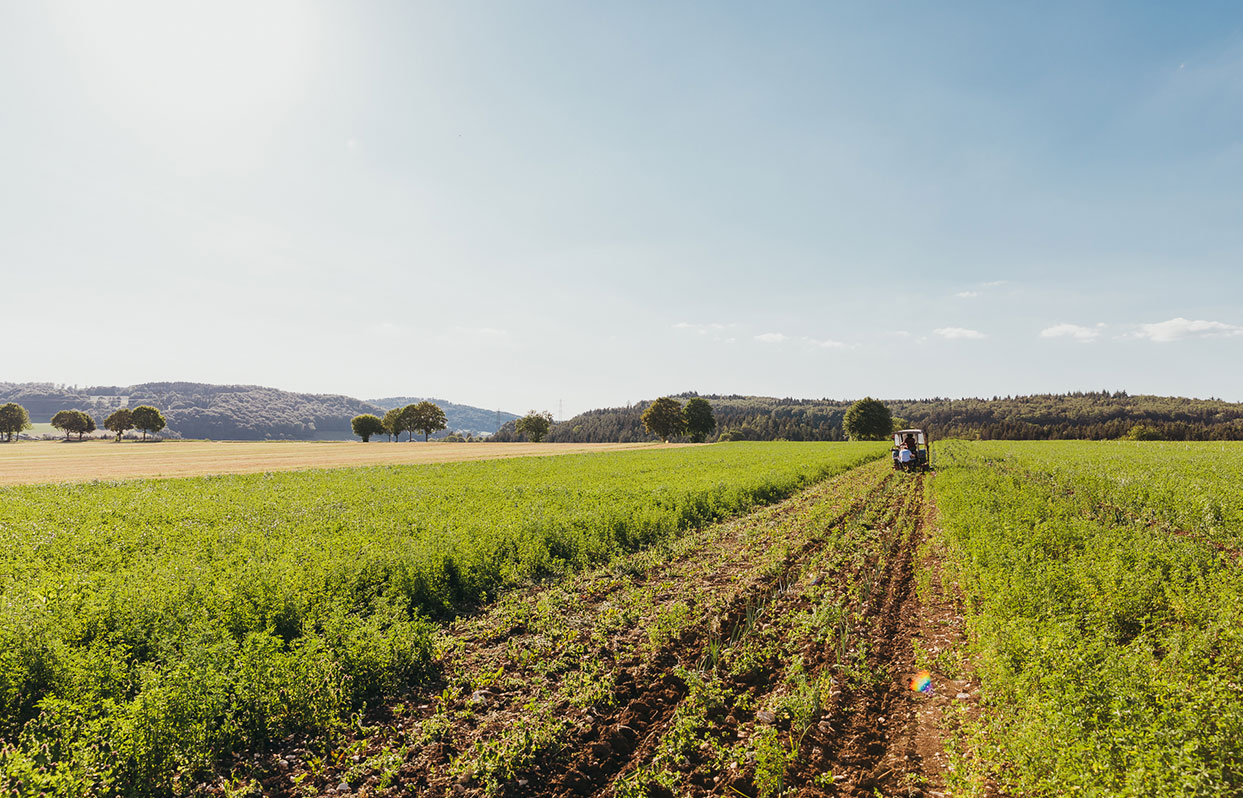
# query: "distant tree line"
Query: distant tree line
{"points": [[1100, 415], [250, 412], [14, 419], [425, 417]]}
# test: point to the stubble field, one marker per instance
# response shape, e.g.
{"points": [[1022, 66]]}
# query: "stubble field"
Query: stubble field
{"points": [[34, 462]]}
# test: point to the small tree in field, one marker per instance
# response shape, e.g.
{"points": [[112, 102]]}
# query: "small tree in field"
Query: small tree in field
{"points": [[534, 425], [395, 423], [426, 417], [73, 421], [663, 418], [366, 425], [120, 421], [13, 420], [700, 421], [88, 425], [1143, 432], [868, 420], [148, 419]]}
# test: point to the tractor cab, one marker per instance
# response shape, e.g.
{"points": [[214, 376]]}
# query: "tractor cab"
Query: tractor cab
{"points": [[919, 446]]}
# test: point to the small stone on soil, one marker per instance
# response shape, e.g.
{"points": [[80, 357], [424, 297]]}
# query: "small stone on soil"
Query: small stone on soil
{"points": [[765, 717]]}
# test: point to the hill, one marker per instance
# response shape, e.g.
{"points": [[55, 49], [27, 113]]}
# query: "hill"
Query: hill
{"points": [[460, 417], [226, 412], [1092, 416]]}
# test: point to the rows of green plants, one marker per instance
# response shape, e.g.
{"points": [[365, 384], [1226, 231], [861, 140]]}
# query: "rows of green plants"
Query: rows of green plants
{"points": [[762, 688], [1110, 651], [149, 630], [559, 665], [1191, 486]]}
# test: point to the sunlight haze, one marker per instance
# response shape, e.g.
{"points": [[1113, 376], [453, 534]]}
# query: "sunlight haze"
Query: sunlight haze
{"points": [[519, 204]]}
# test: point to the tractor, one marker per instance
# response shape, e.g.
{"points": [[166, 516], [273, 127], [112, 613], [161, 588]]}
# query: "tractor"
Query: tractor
{"points": [[918, 444]]}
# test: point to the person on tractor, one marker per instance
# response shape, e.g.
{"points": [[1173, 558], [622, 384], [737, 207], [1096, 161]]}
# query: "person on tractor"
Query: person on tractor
{"points": [[906, 458]]}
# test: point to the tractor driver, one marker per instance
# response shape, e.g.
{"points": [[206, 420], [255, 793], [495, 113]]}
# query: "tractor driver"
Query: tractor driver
{"points": [[906, 458]]}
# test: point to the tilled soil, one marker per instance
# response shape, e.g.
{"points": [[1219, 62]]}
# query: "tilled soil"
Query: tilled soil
{"points": [[766, 655]]}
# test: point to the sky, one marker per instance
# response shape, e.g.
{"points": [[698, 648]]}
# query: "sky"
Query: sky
{"points": [[568, 205]]}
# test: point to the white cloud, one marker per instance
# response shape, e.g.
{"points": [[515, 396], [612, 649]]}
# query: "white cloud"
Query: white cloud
{"points": [[1179, 329], [967, 294], [827, 343], [1076, 331], [702, 329], [959, 333], [771, 338], [717, 331], [994, 283]]}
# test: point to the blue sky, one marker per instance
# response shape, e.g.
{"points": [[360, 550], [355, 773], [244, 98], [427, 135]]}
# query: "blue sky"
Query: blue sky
{"points": [[516, 204]]}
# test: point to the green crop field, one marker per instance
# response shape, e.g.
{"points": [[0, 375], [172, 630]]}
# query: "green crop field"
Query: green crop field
{"points": [[1029, 619], [1105, 607], [149, 629]]}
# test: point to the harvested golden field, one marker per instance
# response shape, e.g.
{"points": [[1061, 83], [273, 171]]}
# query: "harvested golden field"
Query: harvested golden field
{"points": [[34, 462]]}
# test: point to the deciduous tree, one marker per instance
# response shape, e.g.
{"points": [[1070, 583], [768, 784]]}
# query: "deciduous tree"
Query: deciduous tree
{"points": [[663, 418], [120, 421], [73, 421], [534, 425], [700, 421], [148, 419], [395, 422], [868, 420], [13, 420], [1143, 432], [366, 425], [426, 417]]}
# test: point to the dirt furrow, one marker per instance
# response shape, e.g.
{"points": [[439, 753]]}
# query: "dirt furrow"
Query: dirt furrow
{"points": [[775, 598], [858, 740]]}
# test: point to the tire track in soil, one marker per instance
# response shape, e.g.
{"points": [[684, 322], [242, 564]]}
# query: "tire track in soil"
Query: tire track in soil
{"points": [[892, 740], [856, 753], [763, 682], [630, 737]]}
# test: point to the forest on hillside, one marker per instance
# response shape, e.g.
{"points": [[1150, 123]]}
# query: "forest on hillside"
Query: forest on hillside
{"points": [[226, 412], [1092, 415]]}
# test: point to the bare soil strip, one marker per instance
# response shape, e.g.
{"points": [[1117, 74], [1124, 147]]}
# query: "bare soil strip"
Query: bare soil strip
{"points": [[760, 656], [35, 462]]}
